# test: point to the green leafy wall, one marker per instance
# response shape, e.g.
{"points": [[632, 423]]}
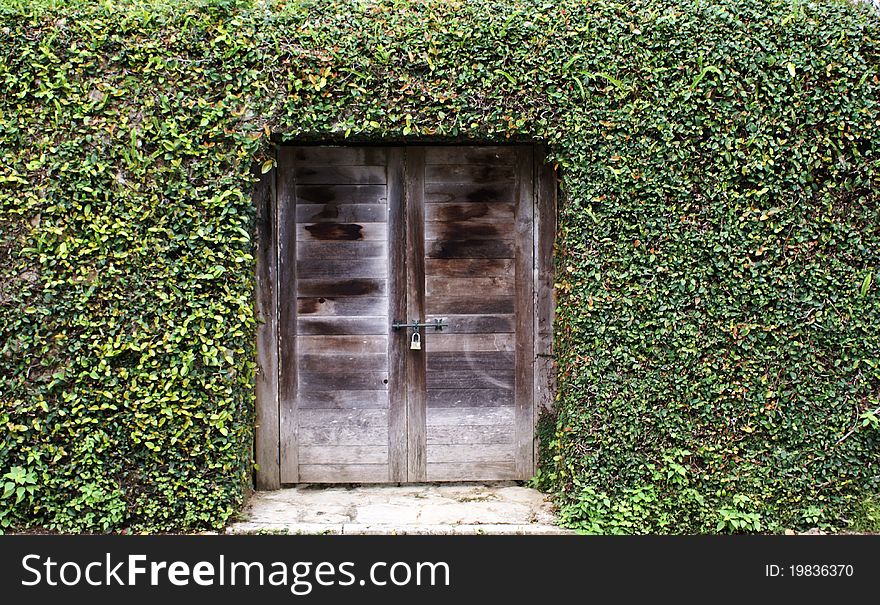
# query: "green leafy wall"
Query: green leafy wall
{"points": [[717, 334]]}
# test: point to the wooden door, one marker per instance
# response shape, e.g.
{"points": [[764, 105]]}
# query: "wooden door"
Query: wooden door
{"points": [[368, 236]]}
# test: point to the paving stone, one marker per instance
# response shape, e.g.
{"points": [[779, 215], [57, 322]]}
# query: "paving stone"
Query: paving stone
{"points": [[426, 509]]}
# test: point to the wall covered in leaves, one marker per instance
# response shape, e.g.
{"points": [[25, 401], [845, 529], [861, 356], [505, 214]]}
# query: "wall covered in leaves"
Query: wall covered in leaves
{"points": [[717, 256]]}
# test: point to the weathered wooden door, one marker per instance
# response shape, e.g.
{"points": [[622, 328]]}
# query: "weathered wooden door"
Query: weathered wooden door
{"points": [[371, 236]]}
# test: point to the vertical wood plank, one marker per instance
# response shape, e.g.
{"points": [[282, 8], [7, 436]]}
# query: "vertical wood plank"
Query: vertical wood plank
{"points": [[287, 381], [525, 315], [266, 433], [397, 295], [545, 299], [415, 306]]}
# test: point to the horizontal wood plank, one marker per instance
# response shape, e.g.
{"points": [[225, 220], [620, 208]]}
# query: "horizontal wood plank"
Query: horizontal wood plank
{"points": [[333, 154], [341, 213], [488, 287], [469, 173], [467, 231], [469, 454], [375, 362], [341, 345], [342, 194], [469, 248], [457, 193], [339, 434], [343, 473], [340, 287], [486, 471], [475, 324], [339, 174], [342, 325], [477, 416], [485, 378], [469, 303], [452, 398], [469, 342], [456, 154], [366, 417], [310, 268], [341, 249], [345, 400], [342, 306], [475, 213], [352, 454], [469, 267], [340, 232], [339, 378], [470, 434]]}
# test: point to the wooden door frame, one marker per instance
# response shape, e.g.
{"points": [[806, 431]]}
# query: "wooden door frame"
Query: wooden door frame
{"points": [[273, 264]]}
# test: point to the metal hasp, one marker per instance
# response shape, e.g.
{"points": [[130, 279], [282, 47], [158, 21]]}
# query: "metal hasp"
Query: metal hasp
{"points": [[437, 324]]}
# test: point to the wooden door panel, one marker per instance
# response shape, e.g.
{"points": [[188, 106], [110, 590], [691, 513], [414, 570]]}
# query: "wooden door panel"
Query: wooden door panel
{"points": [[337, 414], [476, 200]]}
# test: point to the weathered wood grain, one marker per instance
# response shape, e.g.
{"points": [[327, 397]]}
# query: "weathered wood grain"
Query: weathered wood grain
{"points": [[469, 342], [545, 300], [344, 454], [340, 232], [341, 269], [344, 473], [458, 193], [342, 345], [338, 154], [470, 360], [484, 471], [470, 248], [478, 416], [451, 434], [493, 155], [525, 315], [469, 267], [341, 249], [350, 306], [472, 213], [415, 297], [470, 302], [468, 173], [485, 378], [342, 194], [397, 294], [339, 399], [495, 452], [341, 213], [475, 324], [488, 287], [341, 287], [468, 397], [287, 310], [267, 445], [342, 325], [339, 378], [337, 174]]}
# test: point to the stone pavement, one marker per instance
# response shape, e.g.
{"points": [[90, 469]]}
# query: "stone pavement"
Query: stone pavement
{"points": [[434, 509]]}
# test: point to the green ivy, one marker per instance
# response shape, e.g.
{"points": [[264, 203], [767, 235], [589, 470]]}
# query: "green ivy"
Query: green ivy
{"points": [[717, 256]]}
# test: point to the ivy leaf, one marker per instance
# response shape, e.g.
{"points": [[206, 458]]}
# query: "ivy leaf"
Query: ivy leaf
{"points": [[866, 284]]}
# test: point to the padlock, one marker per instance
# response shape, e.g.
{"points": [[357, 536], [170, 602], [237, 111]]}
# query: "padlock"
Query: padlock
{"points": [[416, 343]]}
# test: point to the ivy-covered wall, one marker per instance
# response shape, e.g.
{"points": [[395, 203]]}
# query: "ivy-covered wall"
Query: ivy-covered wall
{"points": [[717, 256]]}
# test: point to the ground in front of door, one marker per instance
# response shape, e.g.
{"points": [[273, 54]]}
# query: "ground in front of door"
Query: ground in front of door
{"points": [[433, 509]]}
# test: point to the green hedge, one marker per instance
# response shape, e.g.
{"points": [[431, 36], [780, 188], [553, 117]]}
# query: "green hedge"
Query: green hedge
{"points": [[717, 257]]}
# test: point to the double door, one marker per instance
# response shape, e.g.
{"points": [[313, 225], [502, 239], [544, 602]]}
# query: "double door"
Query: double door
{"points": [[370, 238]]}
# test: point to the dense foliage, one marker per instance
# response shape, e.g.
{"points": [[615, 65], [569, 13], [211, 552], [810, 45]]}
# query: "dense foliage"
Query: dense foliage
{"points": [[717, 257]]}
